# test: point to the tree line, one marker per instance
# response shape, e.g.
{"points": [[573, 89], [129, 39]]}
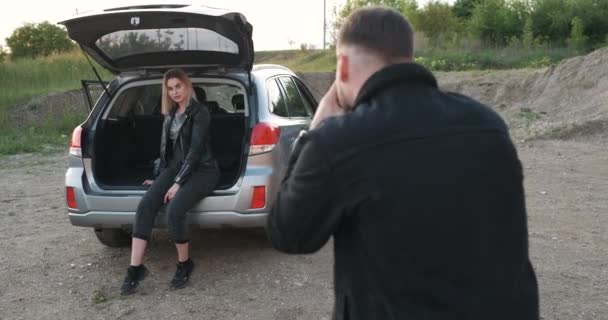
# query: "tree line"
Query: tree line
{"points": [[578, 24], [581, 25]]}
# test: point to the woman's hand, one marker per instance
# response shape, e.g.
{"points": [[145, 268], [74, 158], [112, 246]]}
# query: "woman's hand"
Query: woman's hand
{"points": [[328, 107], [148, 183], [171, 193]]}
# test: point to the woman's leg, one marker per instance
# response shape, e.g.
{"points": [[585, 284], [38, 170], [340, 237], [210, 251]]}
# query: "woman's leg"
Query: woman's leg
{"points": [[144, 221], [183, 253], [196, 188], [138, 248], [200, 184], [146, 214]]}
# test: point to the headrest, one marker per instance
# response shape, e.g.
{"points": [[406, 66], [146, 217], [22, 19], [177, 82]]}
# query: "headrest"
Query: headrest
{"points": [[200, 93], [238, 101]]}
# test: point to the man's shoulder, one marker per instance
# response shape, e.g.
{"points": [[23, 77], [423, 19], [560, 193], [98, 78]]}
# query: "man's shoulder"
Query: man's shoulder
{"points": [[484, 113], [343, 132]]}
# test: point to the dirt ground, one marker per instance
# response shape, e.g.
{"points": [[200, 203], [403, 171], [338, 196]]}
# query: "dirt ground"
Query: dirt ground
{"points": [[558, 117], [52, 270]]}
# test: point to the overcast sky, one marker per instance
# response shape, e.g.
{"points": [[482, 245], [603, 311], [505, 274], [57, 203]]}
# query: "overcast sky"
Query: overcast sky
{"points": [[275, 22]]}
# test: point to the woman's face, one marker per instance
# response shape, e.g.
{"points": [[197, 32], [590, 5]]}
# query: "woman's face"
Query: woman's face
{"points": [[178, 91]]}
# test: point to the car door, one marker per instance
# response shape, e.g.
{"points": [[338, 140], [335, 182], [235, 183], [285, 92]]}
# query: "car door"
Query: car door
{"points": [[92, 90], [296, 110]]}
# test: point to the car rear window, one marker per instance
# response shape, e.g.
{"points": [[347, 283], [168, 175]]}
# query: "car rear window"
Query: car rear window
{"points": [[132, 42]]}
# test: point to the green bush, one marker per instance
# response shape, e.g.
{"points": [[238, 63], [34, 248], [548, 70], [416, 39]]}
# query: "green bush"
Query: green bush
{"points": [[577, 39]]}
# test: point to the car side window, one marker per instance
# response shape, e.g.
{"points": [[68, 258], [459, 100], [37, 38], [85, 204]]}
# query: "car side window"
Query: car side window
{"points": [[276, 99], [296, 104], [309, 100]]}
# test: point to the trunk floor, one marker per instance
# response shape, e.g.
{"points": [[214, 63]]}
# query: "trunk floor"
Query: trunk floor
{"points": [[134, 178]]}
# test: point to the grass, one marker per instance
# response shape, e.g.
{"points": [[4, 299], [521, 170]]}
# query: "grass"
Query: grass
{"points": [[38, 137], [434, 59], [21, 80], [299, 60], [25, 78]]}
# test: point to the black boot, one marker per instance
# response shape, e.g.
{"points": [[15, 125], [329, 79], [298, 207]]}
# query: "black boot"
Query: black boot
{"points": [[134, 276], [182, 274]]}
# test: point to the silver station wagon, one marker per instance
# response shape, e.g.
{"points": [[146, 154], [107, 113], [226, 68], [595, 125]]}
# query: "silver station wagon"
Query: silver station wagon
{"points": [[257, 112]]}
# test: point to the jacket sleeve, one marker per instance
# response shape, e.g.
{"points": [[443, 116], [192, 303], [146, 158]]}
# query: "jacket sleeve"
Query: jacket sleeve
{"points": [[200, 129], [159, 163], [305, 212]]}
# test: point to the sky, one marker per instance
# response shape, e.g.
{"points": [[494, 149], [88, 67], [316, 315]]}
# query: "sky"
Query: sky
{"points": [[275, 22]]}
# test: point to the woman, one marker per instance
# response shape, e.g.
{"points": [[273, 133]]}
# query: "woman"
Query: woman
{"points": [[185, 174]]}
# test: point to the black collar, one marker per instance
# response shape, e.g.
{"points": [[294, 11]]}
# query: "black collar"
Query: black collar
{"points": [[392, 75]]}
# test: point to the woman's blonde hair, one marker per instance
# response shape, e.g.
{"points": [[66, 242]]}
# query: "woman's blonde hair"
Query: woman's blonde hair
{"points": [[167, 104]]}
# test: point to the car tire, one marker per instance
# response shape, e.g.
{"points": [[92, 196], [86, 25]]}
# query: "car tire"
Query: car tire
{"points": [[114, 238]]}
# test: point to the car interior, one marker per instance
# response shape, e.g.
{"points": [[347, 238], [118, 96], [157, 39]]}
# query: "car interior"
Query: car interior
{"points": [[127, 140]]}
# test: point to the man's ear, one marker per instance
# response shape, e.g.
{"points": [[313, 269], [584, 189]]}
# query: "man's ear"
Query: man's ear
{"points": [[342, 68]]}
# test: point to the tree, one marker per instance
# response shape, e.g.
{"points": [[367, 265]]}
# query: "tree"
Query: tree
{"points": [[38, 39], [2, 54], [408, 8], [438, 22], [578, 39], [552, 18], [496, 21], [593, 14], [125, 43], [464, 8], [527, 38]]}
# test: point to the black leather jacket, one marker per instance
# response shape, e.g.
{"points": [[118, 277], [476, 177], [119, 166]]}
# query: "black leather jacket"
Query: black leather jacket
{"points": [[423, 194], [193, 138]]}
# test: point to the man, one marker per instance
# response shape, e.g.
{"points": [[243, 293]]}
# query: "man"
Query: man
{"points": [[421, 189]]}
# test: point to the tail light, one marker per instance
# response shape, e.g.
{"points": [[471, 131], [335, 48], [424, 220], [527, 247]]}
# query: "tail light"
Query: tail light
{"points": [[258, 201], [70, 197], [264, 138], [75, 149]]}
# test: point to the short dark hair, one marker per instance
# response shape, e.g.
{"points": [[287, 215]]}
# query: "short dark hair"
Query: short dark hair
{"points": [[379, 29]]}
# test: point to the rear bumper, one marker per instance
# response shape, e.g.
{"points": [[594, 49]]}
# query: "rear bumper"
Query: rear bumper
{"points": [[226, 219]]}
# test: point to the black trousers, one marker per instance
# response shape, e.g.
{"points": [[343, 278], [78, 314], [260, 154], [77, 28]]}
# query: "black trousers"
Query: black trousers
{"points": [[198, 186]]}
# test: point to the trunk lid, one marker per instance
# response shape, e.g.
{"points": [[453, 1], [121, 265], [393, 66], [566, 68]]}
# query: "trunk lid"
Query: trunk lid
{"points": [[158, 37]]}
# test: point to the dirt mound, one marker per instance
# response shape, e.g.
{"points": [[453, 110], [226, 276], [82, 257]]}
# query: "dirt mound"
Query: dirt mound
{"points": [[571, 96], [51, 106], [543, 102]]}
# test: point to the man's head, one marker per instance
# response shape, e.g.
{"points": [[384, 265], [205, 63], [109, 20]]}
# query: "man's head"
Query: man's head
{"points": [[370, 39]]}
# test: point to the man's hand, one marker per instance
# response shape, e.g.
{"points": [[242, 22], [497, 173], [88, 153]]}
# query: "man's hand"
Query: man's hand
{"points": [[171, 193], [328, 107], [148, 183]]}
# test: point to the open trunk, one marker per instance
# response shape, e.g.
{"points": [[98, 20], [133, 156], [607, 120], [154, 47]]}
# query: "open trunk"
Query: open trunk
{"points": [[127, 139]]}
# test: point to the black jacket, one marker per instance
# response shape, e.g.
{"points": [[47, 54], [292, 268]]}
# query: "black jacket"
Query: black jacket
{"points": [[423, 193], [193, 138]]}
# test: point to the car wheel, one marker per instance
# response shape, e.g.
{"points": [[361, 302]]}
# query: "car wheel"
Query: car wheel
{"points": [[113, 237]]}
